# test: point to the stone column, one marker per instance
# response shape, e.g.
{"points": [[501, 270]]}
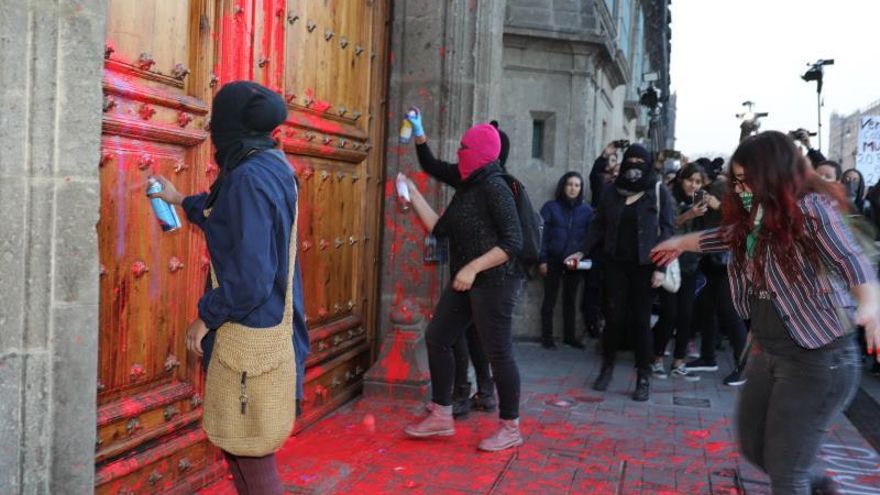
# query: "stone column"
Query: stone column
{"points": [[50, 130], [446, 60]]}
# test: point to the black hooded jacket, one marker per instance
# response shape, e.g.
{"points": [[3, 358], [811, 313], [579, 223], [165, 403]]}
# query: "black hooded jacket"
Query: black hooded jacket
{"points": [[481, 215]]}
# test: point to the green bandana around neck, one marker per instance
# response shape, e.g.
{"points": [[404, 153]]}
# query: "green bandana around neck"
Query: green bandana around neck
{"points": [[752, 237]]}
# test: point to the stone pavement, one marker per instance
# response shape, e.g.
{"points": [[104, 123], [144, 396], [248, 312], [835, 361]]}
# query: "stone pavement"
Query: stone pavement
{"points": [[577, 442]]}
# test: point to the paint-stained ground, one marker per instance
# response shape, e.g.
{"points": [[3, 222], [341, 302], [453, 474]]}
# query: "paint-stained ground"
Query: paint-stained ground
{"points": [[577, 442]]}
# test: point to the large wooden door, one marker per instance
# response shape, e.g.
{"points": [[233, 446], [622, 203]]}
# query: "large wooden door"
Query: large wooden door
{"points": [[164, 61]]}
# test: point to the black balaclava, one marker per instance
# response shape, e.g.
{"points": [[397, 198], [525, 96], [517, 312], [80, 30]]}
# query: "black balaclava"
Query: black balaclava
{"points": [[243, 116], [855, 192], [505, 145], [635, 177], [560, 190]]}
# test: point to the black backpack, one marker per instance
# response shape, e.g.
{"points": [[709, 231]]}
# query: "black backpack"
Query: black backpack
{"points": [[531, 222]]}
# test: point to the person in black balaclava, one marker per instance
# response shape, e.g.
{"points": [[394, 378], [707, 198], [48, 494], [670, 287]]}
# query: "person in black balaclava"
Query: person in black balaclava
{"points": [[854, 183], [626, 226], [253, 311]]}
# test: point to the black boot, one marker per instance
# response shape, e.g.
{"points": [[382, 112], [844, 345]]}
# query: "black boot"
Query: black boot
{"points": [[604, 378], [548, 344], [643, 388], [571, 341], [461, 404], [484, 401], [824, 485]]}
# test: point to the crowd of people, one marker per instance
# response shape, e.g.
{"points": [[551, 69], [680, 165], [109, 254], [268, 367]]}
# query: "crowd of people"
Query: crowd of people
{"points": [[771, 249], [762, 249]]}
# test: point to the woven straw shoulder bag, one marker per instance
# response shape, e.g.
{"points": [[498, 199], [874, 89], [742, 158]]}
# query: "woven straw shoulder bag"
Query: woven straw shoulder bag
{"points": [[249, 407]]}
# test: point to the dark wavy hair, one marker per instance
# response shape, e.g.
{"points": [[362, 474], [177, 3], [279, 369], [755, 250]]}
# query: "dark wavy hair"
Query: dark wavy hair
{"points": [[560, 187], [689, 170], [779, 176]]}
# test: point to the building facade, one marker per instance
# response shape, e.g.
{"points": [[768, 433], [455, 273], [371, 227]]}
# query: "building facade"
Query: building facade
{"points": [[843, 135], [573, 74], [92, 359]]}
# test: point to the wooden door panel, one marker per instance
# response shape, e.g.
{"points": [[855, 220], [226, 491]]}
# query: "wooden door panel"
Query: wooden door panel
{"points": [[156, 92], [328, 83], [164, 61], [332, 41]]}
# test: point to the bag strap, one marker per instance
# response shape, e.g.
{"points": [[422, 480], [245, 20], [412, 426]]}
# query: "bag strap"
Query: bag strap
{"points": [[292, 253]]}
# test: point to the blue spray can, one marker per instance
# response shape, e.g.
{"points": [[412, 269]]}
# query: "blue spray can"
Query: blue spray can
{"points": [[164, 212]]}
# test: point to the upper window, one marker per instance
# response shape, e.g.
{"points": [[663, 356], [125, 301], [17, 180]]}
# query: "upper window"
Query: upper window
{"points": [[538, 139]]}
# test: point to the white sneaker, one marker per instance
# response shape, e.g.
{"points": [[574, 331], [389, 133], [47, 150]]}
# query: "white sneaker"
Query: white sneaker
{"points": [[657, 371], [681, 371]]}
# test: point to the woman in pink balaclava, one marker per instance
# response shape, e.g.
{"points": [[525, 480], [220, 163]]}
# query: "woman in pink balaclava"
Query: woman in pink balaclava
{"points": [[485, 236]]}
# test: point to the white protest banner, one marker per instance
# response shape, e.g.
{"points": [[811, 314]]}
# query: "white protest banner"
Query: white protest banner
{"points": [[868, 154]]}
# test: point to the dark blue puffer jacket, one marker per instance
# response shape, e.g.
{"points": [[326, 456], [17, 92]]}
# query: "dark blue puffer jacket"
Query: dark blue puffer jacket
{"points": [[565, 226]]}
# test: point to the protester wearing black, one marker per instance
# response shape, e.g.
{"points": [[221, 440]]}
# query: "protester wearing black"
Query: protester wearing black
{"points": [[485, 237], [566, 220], [626, 227], [854, 184], [714, 305], [677, 309]]}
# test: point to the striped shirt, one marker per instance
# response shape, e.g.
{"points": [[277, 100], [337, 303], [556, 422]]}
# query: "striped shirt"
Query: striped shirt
{"points": [[808, 300]]}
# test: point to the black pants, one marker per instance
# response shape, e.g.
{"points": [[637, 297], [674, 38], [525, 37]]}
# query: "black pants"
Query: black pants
{"points": [[676, 317], [491, 310], [469, 346], [591, 303], [714, 309], [628, 300], [790, 400], [570, 279]]}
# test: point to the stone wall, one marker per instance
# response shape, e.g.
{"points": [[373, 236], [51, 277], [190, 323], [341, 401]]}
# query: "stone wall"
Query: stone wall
{"points": [[50, 123], [446, 60], [559, 68]]}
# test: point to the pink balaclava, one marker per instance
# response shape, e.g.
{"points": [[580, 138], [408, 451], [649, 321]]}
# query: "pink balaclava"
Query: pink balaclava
{"points": [[480, 146]]}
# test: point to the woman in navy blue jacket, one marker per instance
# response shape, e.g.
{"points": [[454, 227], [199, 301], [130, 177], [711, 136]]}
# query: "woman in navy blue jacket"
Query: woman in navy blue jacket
{"points": [[248, 220], [566, 220]]}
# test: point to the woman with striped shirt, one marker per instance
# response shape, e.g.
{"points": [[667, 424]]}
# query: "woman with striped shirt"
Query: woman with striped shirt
{"points": [[799, 275]]}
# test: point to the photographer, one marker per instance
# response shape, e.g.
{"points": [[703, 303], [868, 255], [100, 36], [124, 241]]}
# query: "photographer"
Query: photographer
{"points": [[816, 157], [605, 169]]}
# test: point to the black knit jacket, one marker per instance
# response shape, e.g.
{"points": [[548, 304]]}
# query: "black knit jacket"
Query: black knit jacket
{"points": [[481, 215]]}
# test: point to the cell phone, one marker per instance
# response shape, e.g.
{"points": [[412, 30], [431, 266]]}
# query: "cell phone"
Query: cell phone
{"points": [[699, 197], [673, 154], [621, 143]]}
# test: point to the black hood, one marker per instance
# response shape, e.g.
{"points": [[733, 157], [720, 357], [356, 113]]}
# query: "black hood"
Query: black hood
{"points": [[505, 145], [243, 116], [636, 177], [560, 189]]}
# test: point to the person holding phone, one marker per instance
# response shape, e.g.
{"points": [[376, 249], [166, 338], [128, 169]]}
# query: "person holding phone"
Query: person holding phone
{"points": [[798, 273], [676, 310]]}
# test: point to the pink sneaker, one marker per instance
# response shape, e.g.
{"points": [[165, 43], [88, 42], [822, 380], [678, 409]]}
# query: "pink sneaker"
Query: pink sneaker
{"points": [[438, 424], [505, 437]]}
